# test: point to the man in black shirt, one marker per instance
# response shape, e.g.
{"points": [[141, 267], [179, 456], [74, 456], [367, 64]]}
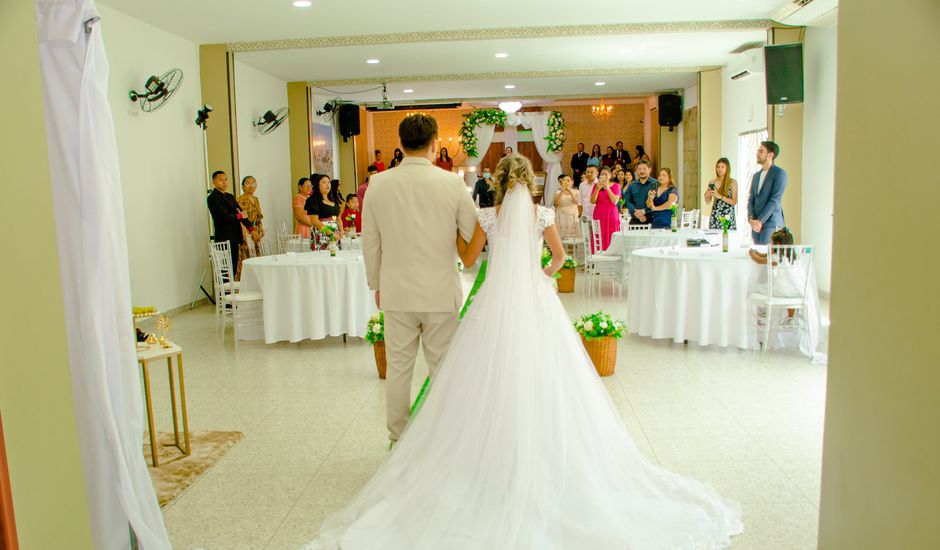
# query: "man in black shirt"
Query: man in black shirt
{"points": [[227, 217], [578, 164], [483, 190]]}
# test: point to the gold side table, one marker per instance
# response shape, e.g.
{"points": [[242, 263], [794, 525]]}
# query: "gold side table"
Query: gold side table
{"points": [[156, 353]]}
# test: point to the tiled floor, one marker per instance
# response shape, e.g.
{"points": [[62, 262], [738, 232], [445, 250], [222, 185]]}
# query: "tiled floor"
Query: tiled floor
{"points": [[314, 424]]}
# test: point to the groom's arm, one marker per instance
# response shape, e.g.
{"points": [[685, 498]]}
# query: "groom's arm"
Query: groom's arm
{"points": [[466, 212], [371, 242]]}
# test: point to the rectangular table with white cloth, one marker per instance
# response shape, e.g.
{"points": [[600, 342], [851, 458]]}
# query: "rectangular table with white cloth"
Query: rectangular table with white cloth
{"points": [[666, 237], [310, 295], [701, 295]]}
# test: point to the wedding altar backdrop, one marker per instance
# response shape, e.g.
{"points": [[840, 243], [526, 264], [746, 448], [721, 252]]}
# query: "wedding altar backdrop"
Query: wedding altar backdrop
{"points": [[92, 250], [548, 132]]}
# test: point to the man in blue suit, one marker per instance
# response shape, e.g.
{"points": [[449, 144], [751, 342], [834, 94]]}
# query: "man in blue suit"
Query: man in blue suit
{"points": [[764, 207]]}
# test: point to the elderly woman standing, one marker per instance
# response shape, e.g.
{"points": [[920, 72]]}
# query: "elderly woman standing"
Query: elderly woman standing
{"points": [[249, 204], [301, 220]]}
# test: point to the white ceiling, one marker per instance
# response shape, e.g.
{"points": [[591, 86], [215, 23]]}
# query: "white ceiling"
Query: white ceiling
{"points": [[455, 66]]}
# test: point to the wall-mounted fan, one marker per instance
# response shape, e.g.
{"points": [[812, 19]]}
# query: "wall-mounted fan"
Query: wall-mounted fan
{"points": [[158, 90], [270, 121]]}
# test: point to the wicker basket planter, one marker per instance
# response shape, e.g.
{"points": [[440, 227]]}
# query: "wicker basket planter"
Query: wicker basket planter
{"points": [[566, 281], [380, 363], [603, 352]]}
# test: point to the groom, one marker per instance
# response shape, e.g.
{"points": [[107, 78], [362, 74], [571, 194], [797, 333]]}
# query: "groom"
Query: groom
{"points": [[409, 229]]}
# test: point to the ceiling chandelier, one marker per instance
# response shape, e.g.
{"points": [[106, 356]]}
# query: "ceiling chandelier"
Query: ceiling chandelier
{"points": [[602, 111]]}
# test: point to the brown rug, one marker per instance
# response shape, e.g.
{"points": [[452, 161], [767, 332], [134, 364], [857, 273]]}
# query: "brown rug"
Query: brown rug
{"points": [[177, 472]]}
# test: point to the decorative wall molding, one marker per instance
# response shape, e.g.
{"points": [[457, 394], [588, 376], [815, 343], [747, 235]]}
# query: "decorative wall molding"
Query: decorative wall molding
{"points": [[502, 34], [513, 75]]}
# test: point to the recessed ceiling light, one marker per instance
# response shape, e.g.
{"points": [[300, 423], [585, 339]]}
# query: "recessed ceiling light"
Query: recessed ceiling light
{"points": [[509, 86], [599, 83], [372, 61], [408, 91], [501, 55], [626, 50], [302, 3]]}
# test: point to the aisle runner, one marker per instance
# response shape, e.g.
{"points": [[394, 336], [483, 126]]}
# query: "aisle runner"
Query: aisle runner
{"points": [[481, 275]]}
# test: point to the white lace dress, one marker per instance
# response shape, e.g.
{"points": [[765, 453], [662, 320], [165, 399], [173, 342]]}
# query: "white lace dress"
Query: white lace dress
{"points": [[518, 446]]}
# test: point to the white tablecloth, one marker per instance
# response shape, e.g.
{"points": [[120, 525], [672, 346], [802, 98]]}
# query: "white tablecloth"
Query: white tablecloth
{"points": [[309, 296], [665, 237], [700, 295]]}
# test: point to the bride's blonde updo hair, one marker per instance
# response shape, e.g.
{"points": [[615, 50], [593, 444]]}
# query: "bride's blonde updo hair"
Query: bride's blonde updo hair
{"points": [[512, 170]]}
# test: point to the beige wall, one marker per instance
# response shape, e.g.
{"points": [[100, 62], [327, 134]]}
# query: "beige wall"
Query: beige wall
{"points": [[786, 130], [217, 78], [669, 153], [710, 111], [881, 483], [35, 385], [298, 105]]}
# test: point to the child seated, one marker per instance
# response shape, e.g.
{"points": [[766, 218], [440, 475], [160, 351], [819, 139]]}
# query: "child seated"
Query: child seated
{"points": [[351, 216], [788, 275]]}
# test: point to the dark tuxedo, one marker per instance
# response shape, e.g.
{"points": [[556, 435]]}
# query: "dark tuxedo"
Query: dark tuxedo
{"points": [[622, 157], [578, 166], [228, 227]]}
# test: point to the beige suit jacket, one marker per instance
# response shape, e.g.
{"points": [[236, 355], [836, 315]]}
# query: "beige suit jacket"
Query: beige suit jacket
{"points": [[409, 232]]}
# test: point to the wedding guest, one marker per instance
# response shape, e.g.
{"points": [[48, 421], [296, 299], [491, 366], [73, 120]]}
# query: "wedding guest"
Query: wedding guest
{"points": [[323, 208], [723, 189], [622, 155], [443, 160], [567, 203], [609, 159], [483, 194], [659, 201], [397, 157], [586, 190], [764, 204], [596, 156], [789, 280], [507, 151], [379, 165], [229, 221], [352, 217], [578, 164], [617, 168], [641, 155], [626, 178], [252, 208], [301, 220], [361, 191], [636, 193], [605, 197]]}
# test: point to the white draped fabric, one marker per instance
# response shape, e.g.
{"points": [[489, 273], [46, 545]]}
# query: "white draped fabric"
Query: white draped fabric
{"points": [[484, 134], [538, 121], [94, 271]]}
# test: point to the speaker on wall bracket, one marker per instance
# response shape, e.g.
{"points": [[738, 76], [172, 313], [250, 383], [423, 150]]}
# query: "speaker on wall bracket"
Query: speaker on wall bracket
{"points": [[670, 110], [348, 116], [783, 73]]}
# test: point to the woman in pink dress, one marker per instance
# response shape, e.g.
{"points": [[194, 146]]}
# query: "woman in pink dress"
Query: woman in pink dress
{"points": [[605, 197], [301, 220]]}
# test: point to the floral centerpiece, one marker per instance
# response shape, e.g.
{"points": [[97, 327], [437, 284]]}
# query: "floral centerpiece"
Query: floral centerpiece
{"points": [[599, 334], [675, 214], [478, 117], [556, 132], [375, 335], [566, 275], [725, 226]]}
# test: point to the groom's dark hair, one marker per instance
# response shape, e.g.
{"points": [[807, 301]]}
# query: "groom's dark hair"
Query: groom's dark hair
{"points": [[417, 132]]}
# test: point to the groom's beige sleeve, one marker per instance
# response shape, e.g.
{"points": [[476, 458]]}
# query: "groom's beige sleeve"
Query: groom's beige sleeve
{"points": [[466, 213], [371, 242]]}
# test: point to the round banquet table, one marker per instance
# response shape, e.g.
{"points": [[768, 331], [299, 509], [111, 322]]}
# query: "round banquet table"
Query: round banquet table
{"points": [[665, 237], [310, 295], [701, 295]]}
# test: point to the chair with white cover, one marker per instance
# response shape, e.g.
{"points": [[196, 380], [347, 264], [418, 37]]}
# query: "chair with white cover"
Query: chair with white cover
{"points": [[598, 266], [788, 272], [571, 244], [690, 219], [228, 298], [635, 238]]}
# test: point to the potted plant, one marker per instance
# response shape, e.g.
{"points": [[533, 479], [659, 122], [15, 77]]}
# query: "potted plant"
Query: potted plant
{"points": [[599, 334], [375, 335], [566, 275]]}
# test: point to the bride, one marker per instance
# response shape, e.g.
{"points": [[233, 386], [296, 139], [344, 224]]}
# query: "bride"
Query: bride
{"points": [[518, 446]]}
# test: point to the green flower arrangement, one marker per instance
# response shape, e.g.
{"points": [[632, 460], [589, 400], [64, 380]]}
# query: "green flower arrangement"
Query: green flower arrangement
{"points": [[375, 330], [570, 263], [478, 117], [725, 223], [599, 325], [556, 131], [547, 260], [675, 210]]}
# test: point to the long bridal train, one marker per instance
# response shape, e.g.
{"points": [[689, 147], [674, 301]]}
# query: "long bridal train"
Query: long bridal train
{"points": [[518, 446]]}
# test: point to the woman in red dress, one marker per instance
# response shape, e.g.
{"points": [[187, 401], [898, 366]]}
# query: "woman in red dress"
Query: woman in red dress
{"points": [[444, 161]]}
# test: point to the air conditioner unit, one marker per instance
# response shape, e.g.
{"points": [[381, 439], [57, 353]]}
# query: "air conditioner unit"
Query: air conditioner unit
{"points": [[807, 13], [746, 64]]}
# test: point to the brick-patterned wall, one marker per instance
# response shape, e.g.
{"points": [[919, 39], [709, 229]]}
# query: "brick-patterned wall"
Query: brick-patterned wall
{"points": [[625, 124], [385, 131]]}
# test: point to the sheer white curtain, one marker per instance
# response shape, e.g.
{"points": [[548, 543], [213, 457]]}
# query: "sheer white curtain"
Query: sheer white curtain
{"points": [[538, 121], [95, 282], [484, 134]]}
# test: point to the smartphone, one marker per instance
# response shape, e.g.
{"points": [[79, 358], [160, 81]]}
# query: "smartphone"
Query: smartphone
{"points": [[486, 175], [711, 186]]}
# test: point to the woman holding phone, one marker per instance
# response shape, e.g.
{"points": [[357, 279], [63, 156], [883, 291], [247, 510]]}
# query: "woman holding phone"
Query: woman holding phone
{"points": [[723, 191]]}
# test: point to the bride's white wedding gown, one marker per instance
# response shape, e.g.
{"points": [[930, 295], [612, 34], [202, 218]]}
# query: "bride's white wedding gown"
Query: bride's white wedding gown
{"points": [[518, 446]]}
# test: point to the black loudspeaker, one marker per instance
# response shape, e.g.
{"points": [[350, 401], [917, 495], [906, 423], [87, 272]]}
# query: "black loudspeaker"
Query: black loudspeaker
{"points": [[670, 110], [348, 120], [783, 71]]}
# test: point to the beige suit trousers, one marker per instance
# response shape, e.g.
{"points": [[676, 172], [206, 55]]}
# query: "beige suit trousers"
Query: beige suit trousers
{"points": [[402, 332]]}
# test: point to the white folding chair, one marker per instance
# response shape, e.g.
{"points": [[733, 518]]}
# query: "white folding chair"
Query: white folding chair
{"points": [[636, 237], [788, 273], [690, 219], [598, 266], [571, 244], [223, 277], [228, 301], [264, 247]]}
